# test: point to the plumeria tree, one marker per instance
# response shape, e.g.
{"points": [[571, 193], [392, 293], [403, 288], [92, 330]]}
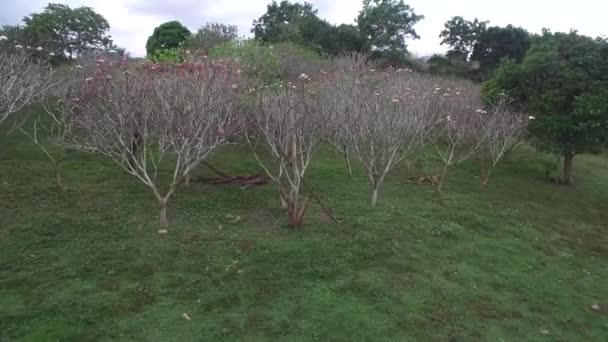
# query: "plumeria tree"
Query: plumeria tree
{"points": [[288, 121], [458, 132], [503, 129], [143, 117], [384, 117], [23, 78]]}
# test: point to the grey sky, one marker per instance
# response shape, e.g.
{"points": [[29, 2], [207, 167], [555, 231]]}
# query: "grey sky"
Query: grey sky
{"points": [[132, 21]]}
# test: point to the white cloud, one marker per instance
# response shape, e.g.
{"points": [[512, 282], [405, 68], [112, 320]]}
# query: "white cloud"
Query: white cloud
{"points": [[132, 21]]}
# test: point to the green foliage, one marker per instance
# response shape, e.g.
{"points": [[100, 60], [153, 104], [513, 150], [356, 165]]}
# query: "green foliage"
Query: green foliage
{"points": [[62, 30], [169, 35], [287, 22], [210, 36], [561, 82], [499, 43], [13, 33], [483, 47], [264, 64], [462, 35], [259, 61], [447, 65], [299, 24], [388, 23], [175, 55]]}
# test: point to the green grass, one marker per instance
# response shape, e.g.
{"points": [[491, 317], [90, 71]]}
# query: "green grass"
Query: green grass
{"points": [[498, 263]]}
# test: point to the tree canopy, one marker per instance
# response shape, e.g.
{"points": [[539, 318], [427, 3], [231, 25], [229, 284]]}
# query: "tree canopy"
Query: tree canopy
{"points": [[485, 47], [65, 31], [299, 23], [562, 82], [169, 35], [388, 23], [462, 35], [212, 35]]}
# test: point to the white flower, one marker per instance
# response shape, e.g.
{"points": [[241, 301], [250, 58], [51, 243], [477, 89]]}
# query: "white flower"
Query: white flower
{"points": [[446, 94], [303, 77], [395, 100], [478, 111], [437, 89], [39, 48], [19, 46], [457, 93], [79, 66], [286, 22], [88, 79], [3, 38], [531, 117], [51, 54]]}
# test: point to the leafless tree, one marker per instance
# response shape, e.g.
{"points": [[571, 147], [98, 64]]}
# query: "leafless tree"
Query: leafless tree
{"points": [[23, 80], [503, 129], [385, 117], [354, 66], [459, 128], [144, 116], [289, 123], [50, 127]]}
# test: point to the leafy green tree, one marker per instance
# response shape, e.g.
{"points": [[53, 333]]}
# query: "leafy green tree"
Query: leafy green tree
{"points": [[462, 36], [283, 22], [562, 83], [169, 35], [343, 39], [66, 31], [388, 23], [211, 35], [498, 43], [299, 24]]}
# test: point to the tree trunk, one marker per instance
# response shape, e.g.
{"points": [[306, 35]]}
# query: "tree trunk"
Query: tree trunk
{"points": [[486, 178], [58, 178], [567, 176], [444, 174], [349, 168], [187, 180], [375, 195], [164, 223]]}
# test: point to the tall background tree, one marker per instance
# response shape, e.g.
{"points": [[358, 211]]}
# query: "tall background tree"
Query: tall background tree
{"points": [[483, 48], [211, 35], [169, 35], [388, 23], [462, 36], [66, 31], [563, 83], [499, 43], [299, 23]]}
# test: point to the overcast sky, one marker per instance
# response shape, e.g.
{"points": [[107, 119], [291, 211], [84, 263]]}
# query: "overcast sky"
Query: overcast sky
{"points": [[132, 21]]}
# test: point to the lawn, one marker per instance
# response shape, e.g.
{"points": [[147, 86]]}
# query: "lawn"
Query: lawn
{"points": [[520, 259]]}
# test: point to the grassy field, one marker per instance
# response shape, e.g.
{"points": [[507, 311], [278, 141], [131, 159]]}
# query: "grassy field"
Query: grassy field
{"points": [[519, 260]]}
